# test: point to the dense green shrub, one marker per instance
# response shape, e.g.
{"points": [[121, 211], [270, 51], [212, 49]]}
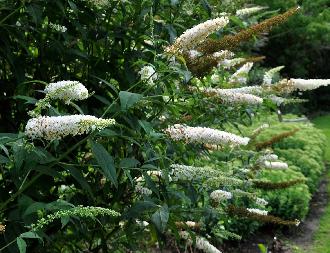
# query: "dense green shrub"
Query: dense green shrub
{"points": [[292, 202], [303, 151], [307, 165]]}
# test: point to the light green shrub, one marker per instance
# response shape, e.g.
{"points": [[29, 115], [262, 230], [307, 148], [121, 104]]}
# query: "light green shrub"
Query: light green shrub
{"points": [[292, 202]]}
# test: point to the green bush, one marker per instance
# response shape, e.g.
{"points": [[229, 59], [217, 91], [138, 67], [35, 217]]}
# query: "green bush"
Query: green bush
{"points": [[303, 152], [312, 169], [290, 203]]}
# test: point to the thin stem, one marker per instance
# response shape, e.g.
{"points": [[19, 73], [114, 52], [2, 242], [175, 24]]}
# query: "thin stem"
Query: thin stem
{"points": [[5, 18], [7, 245]]}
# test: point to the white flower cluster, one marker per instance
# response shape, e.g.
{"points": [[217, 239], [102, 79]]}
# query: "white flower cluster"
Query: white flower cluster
{"points": [[57, 127], [142, 190], [240, 76], [142, 223], [248, 11], [66, 90], [277, 100], [148, 74], [201, 243], [193, 54], [257, 211], [229, 63], [233, 97], [261, 201], [268, 157], [99, 3], [204, 135], [188, 173], [219, 195], [151, 173], [57, 27], [215, 78], [309, 84], [192, 37], [247, 90], [268, 76], [223, 54], [275, 165], [191, 224]]}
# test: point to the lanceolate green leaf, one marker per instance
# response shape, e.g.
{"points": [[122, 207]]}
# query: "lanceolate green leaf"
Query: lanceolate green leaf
{"points": [[21, 245], [160, 218], [128, 99], [105, 161]]}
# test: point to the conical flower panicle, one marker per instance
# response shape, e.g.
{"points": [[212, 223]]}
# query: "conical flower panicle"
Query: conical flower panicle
{"points": [[57, 127], [204, 135], [194, 36], [232, 41]]}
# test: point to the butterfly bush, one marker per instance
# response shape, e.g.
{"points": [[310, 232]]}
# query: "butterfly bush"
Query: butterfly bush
{"points": [[229, 63], [275, 165], [201, 243], [233, 97], [268, 76], [79, 211], [268, 157], [181, 172], [261, 202], [194, 36], [247, 90], [142, 190], [194, 54], [204, 135], [148, 75], [223, 54], [57, 27], [309, 84], [257, 211], [240, 76], [57, 127], [221, 184], [248, 11], [219, 195], [66, 91], [277, 100]]}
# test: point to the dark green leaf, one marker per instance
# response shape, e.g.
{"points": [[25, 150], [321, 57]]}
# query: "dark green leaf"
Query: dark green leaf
{"points": [[3, 159], [128, 99], [34, 207], [105, 161], [21, 245], [80, 179], [139, 208], [129, 163], [31, 235], [58, 205], [28, 100], [65, 220], [160, 218]]}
